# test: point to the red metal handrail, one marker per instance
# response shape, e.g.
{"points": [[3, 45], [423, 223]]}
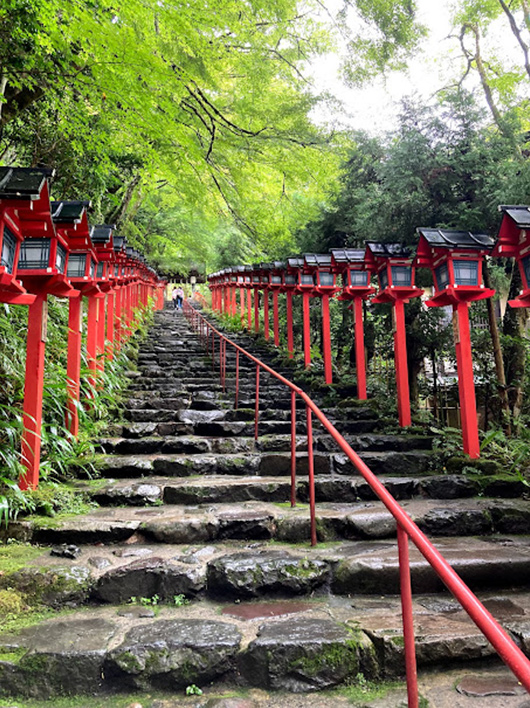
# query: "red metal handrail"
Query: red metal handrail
{"points": [[508, 651]]}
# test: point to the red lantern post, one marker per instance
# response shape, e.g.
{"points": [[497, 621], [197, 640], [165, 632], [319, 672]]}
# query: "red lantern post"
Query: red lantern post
{"points": [[304, 286], [513, 241], [393, 264], [275, 285], [350, 264], [324, 285], [102, 238], [43, 255], [70, 219], [455, 259], [289, 288]]}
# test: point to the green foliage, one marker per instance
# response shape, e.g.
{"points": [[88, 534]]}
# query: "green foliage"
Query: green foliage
{"points": [[193, 690]]}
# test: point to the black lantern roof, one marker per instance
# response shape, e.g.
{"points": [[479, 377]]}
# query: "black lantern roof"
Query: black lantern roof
{"points": [[68, 212], [519, 213], [318, 260], [266, 266], [119, 243], [23, 182], [389, 250], [438, 238], [297, 262], [278, 265], [102, 233], [348, 255], [240, 269], [248, 268]]}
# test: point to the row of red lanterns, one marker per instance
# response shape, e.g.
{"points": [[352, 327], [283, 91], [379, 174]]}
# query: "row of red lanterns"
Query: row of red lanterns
{"points": [[455, 259], [49, 248]]}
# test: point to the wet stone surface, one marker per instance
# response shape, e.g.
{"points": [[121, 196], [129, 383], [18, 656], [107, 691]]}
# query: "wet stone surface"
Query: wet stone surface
{"points": [[244, 575], [255, 610], [301, 655], [174, 653]]}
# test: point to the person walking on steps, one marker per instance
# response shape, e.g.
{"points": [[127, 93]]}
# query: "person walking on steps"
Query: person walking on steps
{"points": [[174, 296], [180, 298]]}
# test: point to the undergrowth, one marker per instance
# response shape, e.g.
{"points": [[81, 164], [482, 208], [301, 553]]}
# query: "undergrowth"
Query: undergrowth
{"points": [[62, 456]]}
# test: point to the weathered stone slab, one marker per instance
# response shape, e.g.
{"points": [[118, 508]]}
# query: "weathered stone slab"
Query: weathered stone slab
{"points": [[63, 658], [148, 577], [301, 655], [263, 573], [55, 586], [174, 654]]}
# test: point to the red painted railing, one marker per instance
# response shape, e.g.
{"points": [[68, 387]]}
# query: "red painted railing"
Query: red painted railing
{"points": [[508, 651]]}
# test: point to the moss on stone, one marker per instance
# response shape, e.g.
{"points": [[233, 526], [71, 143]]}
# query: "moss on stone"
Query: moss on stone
{"points": [[329, 657], [14, 556]]}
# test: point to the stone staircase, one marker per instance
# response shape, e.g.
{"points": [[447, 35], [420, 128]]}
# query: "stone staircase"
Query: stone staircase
{"points": [[194, 524]]}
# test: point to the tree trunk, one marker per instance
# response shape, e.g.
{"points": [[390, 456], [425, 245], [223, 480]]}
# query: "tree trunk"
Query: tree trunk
{"points": [[497, 353]]}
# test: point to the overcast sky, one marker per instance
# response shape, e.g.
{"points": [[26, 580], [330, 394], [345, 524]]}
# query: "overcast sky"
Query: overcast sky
{"points": [[374, 108]]}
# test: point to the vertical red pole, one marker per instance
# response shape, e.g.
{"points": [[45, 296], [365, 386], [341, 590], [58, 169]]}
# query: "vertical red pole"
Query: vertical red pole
{"points": [[256, 310], [402, 370], [408, 623], [237, 380], [311, 470], [293, 448], [249, 309], [73, 364], [91, 339], [234, 302], [100, 341], [256, 412], [466, 380], [33, 388], [360, 360], [290, 338], [276, 318], [117, 318], [266, 313], [110, 326], [242, 305], [307, 331], [326, 340]]}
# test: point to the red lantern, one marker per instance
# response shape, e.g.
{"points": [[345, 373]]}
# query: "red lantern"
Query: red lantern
{"points": [[395, 271], [455, 259], [513, 241], [350, 264]]}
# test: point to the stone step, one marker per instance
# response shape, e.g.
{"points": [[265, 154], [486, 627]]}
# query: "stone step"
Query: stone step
{"points": [[209, 522], [274, 645], [185, 456], [227, 489]]}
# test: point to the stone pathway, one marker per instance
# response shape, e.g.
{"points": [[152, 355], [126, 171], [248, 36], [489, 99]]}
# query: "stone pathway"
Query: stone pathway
{"points": [[195, 526]]}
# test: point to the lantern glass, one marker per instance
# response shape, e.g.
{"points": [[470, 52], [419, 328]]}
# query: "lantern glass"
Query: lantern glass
{"points": [[9, 246], [92, 268], [34, 254], [290, 279], [265, 279], [255, 279], [466, 272], [240, 279], [60, 258], [276, 279], [233, 278], [306, 279], [383, 279], [76, 265], [99, 271], [442, 276], [358, 278], [525, 264], [247, 279], [401, 276], [326, 279]]}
